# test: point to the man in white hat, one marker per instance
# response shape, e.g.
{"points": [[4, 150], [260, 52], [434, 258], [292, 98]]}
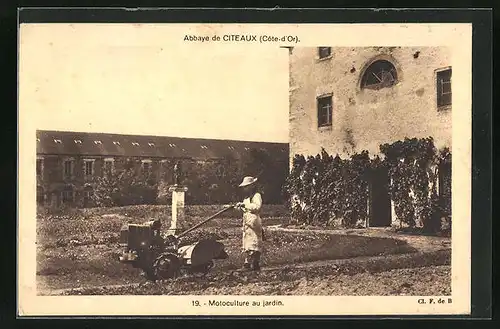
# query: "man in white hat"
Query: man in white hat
{"points": [[252, 224]]}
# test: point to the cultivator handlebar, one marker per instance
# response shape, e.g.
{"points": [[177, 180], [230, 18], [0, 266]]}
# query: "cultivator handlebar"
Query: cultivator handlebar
{"points": [[232, 206]]}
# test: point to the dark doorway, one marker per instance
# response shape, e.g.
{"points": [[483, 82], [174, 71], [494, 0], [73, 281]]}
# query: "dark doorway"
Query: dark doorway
{"points": [[379, 198]]}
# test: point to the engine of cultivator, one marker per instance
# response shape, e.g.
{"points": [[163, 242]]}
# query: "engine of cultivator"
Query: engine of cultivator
{"points": [[161, 257]]}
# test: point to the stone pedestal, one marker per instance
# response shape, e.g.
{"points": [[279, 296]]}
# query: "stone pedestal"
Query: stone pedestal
{"points": [[178, 193], [395, 221]]}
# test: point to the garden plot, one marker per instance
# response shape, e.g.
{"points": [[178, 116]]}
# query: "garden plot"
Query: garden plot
{"points": [[81, 252]]}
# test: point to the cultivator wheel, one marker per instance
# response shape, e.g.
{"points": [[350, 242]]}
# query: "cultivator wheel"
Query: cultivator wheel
{"points": [[149, 274], [166, 266], [209, 266], [203, 269]]}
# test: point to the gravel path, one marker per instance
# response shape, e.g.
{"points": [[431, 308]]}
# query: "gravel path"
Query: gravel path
{"points": [[422, 243]]}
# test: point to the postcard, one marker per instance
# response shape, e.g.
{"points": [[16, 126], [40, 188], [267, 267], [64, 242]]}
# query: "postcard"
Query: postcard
{"points": [[244, 169]]}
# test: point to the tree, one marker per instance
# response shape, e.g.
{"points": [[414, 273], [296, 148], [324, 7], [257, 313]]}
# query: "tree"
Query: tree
{"points": [[271, 174], [124, 187]]}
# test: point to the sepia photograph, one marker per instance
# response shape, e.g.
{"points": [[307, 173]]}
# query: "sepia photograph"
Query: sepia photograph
{"points": [[170, 160]]}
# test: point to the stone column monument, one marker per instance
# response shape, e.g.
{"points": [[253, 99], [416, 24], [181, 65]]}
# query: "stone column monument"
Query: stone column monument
{"points": [[178, 194]]}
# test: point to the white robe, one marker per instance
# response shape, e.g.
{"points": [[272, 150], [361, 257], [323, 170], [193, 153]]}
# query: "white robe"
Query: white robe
{"points": [[252, 224]]}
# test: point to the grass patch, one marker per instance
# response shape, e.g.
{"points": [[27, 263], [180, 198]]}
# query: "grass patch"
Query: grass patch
{"points": [[102, 225], [281, 248], [159, 211]]}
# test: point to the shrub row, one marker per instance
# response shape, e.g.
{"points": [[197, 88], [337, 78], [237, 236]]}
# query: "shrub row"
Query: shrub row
{"points": [[208, 182]]}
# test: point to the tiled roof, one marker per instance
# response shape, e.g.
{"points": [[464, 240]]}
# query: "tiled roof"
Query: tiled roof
{"points": [[102, 144]]}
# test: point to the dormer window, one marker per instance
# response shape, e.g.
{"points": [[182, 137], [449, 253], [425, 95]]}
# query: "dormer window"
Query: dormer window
{"points": [[38, 139], [116, 143], [135, 143], [204, 147], [78, 141], [151, 144], [172, 145], [246, 148], [97, 142], [57, 141]]}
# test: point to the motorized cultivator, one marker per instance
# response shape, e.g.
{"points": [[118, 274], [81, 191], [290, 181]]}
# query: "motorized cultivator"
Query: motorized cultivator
{"points": [[161, 257]]}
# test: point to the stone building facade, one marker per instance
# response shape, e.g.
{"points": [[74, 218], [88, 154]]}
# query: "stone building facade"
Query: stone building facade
{"points": [[347, 99], [68, 162]]}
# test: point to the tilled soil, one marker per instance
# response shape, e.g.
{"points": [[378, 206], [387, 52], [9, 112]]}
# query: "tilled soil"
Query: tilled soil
{"points": [[425, 281], [79, 256], [85, 264], [405, 274]]}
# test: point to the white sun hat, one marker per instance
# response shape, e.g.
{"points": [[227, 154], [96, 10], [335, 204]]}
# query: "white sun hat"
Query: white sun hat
{"points": [[248, 181]]}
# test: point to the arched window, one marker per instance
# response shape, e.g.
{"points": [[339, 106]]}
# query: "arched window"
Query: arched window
{"points": [[380, 74]]}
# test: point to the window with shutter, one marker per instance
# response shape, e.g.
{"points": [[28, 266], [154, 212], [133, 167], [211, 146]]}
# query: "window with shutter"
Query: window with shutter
{"points": [[325, 107], [443, 88], [324, 52], [68, 168]]}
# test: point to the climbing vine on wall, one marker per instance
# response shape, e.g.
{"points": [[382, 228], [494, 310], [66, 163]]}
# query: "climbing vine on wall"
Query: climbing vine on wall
{"points": [[325, 188], [444, 204], [412, 170]]}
